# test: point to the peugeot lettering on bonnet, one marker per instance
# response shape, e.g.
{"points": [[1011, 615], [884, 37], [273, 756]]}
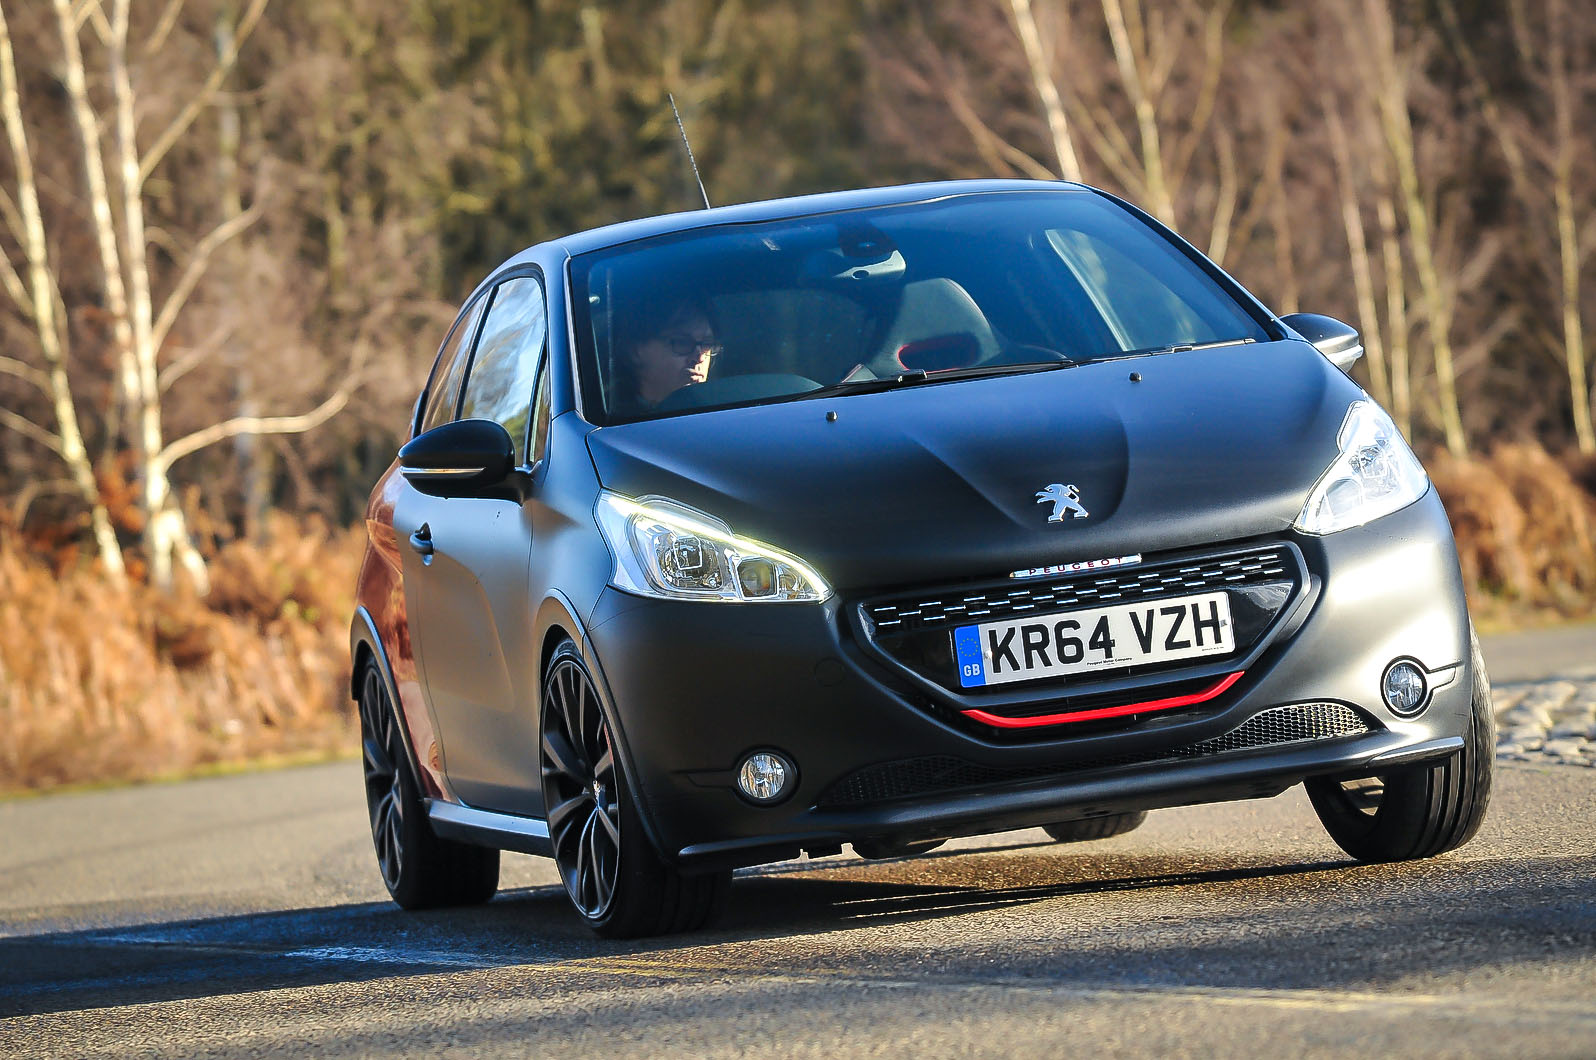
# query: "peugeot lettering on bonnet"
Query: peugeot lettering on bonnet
{"points": [[882, 518]]}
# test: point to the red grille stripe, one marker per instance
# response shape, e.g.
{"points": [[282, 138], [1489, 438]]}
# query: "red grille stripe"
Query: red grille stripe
{"points": [[1218, 688]]}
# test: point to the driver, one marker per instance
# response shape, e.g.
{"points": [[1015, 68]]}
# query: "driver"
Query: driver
{"points": [[674, 353]]}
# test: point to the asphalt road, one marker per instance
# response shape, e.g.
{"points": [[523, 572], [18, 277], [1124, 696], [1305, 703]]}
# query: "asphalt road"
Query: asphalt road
{"points": [[243, 916]]}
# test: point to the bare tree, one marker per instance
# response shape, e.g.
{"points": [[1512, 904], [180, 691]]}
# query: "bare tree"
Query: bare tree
{"points": [[1347, 185], [36, 299], [1542, 139], [143, 299], [1390, 70], [1036, 60]]}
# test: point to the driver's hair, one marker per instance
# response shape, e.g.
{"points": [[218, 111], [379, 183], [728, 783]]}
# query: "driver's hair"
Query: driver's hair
{"points": [[642, 318]]}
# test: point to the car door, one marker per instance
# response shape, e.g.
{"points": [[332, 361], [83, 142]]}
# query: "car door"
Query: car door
{"points": [[466, 575]]}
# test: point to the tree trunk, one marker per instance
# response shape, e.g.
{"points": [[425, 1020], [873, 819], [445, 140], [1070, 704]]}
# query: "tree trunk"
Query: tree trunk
{"points": [[1131, 73], [1358, 247], [41, 290], [1046, 90], [1394, 118], [1396, 313]]}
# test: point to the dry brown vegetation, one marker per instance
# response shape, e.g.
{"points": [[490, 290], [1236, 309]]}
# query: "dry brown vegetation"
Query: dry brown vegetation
{"points": [[1526, 532], [106, 682], [113, 682], [221, 221]]}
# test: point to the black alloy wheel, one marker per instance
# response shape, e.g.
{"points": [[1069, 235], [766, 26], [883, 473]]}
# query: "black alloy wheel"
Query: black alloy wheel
{"points": [[612, 874], [579, 789], [419, 869], [379, 750], [1420, 810]]}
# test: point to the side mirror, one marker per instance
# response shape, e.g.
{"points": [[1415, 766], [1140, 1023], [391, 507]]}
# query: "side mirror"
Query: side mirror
{"points": [[1337, 341], [466, 458]]}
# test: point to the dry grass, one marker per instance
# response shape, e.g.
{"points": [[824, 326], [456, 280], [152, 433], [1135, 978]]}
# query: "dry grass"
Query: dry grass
{"points": [[98, 684], [1524, 524], [101, 684]]}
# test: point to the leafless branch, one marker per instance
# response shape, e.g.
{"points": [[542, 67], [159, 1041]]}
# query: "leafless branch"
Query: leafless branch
{"points": [[196, 355], [1045, 87], [13, 218], [202, 97], [92, 11], [986, 138], [1207, 95], [28, 429], [198, 261], [219, 432], [14, 285], [32, 491], [1108, 141], [1225, 206], [1479, 346], [157, 236], [23, 370], [163, 27]]}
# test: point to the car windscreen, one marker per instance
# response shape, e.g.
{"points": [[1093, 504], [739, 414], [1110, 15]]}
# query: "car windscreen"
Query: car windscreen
{"points": [[971, 285]]}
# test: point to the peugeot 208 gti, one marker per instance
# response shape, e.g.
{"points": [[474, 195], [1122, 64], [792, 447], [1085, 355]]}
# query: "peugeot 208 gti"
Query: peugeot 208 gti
{"points": [[885, 517]]}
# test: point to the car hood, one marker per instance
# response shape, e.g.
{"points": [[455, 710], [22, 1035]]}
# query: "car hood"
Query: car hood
{"points": [[939, 481]]}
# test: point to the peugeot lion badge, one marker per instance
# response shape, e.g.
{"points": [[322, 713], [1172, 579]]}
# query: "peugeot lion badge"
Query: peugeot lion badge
{"points": [[1064, 499]]}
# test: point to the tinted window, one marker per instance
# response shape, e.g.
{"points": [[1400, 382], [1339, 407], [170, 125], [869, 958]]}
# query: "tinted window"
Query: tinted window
{"points": [[450, 369], [1141, 308], [540, 416], [742, 314], [506, 361]]}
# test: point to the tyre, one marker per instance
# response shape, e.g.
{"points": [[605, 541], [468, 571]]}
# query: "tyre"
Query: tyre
{"points": [[615, 879], [1421, 810], [420, 870], [1095, 827]]}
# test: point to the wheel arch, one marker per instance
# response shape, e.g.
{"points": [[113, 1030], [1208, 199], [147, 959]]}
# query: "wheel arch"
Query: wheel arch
{"points": [[558, 621], [365, 646]]}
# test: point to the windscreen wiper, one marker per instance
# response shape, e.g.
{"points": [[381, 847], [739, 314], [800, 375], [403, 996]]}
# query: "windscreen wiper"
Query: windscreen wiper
{"points": [[916, 376], [1175, 347]]}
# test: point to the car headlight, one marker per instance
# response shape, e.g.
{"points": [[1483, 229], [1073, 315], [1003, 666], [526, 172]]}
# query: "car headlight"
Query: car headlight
{"points": [[674, 552], [1375, 475]]}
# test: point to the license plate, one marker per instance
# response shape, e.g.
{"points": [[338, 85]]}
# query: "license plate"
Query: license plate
{"points": [[1070, 642]]}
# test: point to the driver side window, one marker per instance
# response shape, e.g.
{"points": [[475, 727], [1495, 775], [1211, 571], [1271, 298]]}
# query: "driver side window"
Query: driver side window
{"points": [[504, 368], [443, 391]]}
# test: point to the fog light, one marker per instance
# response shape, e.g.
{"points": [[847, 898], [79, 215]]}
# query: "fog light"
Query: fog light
{"points": [[1403, 687], [766, 777]]}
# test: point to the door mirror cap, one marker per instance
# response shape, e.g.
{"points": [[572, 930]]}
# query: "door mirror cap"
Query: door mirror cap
{"points": [[466, 458], [1337, 341]]}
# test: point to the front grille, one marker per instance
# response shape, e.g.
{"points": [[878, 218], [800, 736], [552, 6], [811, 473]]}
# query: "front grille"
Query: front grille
{"points": [[937, 774], [907, 614], [916, 631]]}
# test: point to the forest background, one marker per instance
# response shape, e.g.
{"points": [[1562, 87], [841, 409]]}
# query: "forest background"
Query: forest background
{"points": [[232, 233]]}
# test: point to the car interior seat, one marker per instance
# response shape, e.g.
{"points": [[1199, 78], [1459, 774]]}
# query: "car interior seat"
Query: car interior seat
{"points": [[937, 326]]}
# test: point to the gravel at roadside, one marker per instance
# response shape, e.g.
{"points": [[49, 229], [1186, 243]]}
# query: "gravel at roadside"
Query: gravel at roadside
{"points": [[1549, 721]]}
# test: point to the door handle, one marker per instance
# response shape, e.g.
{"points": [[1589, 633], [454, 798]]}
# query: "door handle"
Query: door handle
{"points": [[421, 540]]}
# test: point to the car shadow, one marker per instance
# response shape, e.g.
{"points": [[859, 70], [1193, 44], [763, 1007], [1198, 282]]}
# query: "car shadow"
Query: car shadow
{"points": [[1495, 909]]}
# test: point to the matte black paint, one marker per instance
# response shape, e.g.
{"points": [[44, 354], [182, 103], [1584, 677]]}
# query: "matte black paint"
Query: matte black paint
{"points": [[923, 485], [938, 481]]}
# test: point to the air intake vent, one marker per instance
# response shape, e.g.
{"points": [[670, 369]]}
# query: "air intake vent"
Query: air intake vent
{"points": [[1296, 723], [950, 607]]}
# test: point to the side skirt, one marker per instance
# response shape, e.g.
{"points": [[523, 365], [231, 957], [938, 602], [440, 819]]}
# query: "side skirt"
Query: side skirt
{"points": [[527, 835]]}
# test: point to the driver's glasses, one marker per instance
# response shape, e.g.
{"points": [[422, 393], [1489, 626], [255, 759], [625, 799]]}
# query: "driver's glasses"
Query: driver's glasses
{"points": [[689, 348]]}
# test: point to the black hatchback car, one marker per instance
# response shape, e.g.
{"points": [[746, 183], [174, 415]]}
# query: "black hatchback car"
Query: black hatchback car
{"points": [[886, 517]]}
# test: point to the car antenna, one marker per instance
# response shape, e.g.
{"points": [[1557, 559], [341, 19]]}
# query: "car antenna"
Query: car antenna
{"points": [[690, 159]]}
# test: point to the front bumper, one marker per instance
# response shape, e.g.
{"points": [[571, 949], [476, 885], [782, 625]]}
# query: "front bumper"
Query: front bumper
{"points": [[695, 687]]}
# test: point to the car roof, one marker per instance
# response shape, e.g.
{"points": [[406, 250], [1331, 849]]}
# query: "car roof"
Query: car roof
{"points": [[778, 209]]}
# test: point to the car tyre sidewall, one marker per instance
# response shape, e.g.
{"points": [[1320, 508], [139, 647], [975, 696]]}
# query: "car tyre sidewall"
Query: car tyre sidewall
{"points": [[433, 872], [1427, 808], [651, 897]]}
